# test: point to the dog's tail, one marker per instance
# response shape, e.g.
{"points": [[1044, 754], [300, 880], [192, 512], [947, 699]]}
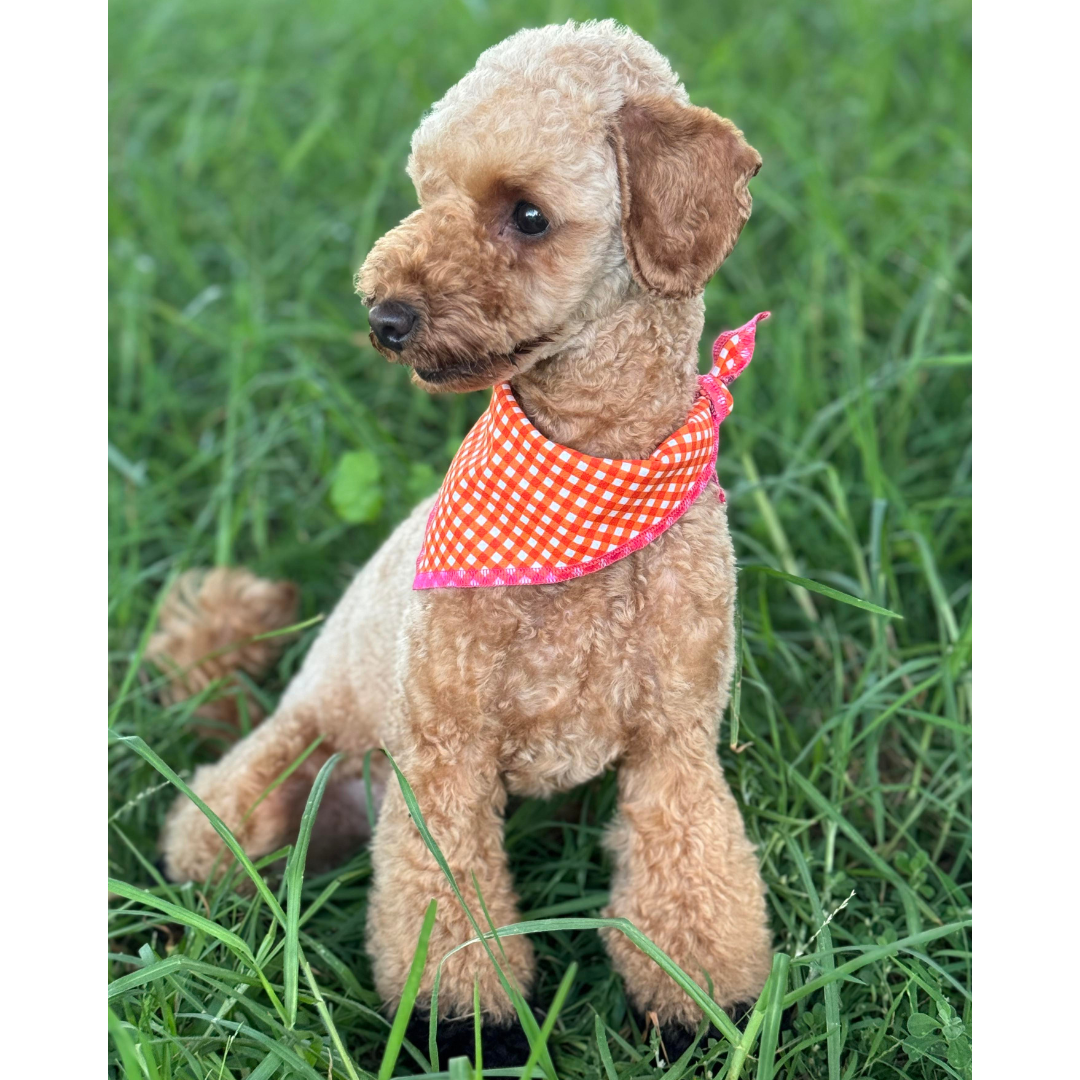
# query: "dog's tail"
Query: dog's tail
{"points": [[211, 628]]}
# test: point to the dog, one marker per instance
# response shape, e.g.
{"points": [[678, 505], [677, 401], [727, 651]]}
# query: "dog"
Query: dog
{"points": [[573, 205]]}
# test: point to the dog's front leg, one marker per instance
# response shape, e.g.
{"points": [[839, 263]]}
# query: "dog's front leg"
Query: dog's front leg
{"points": [[688, 877], [453, 771]]}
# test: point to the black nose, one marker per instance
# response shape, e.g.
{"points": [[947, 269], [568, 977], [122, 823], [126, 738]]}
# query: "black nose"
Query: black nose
{"points": [[392, 322]]}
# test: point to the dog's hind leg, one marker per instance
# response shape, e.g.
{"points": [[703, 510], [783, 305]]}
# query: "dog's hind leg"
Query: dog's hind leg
{"points": [[260, 787], [259, 791], [341, 696]]}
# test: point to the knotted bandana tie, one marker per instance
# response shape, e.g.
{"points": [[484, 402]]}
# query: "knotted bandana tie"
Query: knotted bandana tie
{"points": [[517, 509]]}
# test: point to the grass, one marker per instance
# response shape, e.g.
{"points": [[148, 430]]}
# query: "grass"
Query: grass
{"points": [[256, 151]]}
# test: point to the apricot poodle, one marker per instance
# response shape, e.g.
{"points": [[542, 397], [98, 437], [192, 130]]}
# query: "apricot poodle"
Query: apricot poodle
{"points": [[573, 204]]}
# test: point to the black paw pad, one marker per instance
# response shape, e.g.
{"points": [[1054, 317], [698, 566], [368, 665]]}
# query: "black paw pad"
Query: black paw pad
{"points": [[677, 1038], [503, 1044]]}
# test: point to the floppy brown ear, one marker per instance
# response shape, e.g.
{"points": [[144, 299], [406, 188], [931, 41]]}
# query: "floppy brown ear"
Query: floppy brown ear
{"points": [[683, 173]]}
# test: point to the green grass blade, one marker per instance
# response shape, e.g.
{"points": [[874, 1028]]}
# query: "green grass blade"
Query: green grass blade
{"points": [[324, 897], [144, 751], [460, 1069], [770, 1032], [161, 969], [830, 989], [913, 903], [283, 776], [824, 590], [207, 926], [408, 996], [604, 1049], [166, 886], [147, 974], [487, 917], [478, 1043], [779, 538], [340, 969], [294, 887], [149, 1059], [679, 1066], [750, 1033], [433, 1021], [870, 956], [328, 1022], [266, 1068], [937, 589], [125, 1047], [290, 1058], [185, 917], [549, 1021]]}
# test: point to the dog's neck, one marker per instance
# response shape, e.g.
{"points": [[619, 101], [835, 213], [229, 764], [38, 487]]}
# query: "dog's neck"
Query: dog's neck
{"points": [[624, 384]]}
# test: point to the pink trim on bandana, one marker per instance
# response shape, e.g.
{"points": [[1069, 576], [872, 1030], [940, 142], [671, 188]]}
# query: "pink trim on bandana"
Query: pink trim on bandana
{"points": [[507, 474]]}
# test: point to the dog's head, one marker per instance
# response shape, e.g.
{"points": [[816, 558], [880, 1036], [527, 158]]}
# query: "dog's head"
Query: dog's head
{"points": [[566, 171]]}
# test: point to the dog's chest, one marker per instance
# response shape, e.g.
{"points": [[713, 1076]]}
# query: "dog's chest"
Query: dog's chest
{"points": [[567, 675]]}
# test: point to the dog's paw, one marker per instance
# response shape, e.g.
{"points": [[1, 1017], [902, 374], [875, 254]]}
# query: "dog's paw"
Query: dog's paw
{"points": [[503, 1044]]}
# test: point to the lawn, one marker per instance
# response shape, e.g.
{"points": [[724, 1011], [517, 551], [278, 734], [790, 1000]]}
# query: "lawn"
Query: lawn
{"points": [[256, 151]]}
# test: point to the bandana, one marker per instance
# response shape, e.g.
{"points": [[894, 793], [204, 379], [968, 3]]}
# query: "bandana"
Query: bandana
{"points": [[518, 509]]}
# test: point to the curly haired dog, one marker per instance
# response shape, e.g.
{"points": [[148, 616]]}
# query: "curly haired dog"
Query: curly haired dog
{"points": [[573, 204]]}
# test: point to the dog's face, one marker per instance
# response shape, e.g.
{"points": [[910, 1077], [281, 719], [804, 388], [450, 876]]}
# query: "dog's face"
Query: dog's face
{"points": [[548, 193], [493, 269]]}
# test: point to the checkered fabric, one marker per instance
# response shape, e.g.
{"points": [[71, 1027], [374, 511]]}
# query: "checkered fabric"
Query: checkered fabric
{"points": [[517, 509]]}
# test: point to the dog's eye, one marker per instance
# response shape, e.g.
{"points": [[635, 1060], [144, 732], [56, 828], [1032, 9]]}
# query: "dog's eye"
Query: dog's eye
{"points": [[530, 219]]}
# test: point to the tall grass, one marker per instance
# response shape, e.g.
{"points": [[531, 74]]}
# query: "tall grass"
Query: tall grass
{"points": [[256, 151]]}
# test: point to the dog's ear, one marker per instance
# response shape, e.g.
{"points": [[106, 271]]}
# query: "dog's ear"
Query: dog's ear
{"points": [[683, 173]]}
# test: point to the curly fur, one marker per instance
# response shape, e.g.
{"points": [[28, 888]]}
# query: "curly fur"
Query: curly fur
{"points": [[206, 631], [532, 689]]}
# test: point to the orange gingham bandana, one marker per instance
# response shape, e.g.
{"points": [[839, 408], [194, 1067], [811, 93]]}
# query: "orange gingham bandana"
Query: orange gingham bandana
{"points": [[517, 509]]}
